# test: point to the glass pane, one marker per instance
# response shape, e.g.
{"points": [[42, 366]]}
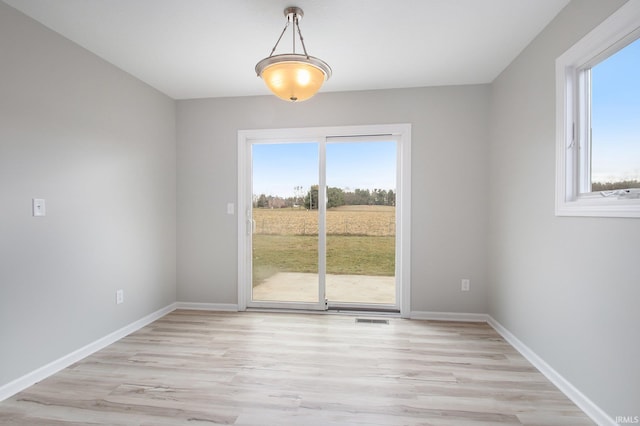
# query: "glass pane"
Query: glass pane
{"points": [[361, 212], [285, 228], [615, 121]]}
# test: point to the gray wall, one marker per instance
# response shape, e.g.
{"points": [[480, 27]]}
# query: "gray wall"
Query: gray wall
{"points": [[99, 146], [567, 287], [449, 177]]}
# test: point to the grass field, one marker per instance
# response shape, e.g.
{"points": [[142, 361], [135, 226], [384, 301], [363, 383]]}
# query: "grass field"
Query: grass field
{"points": [[344, 220], [360, 241]]}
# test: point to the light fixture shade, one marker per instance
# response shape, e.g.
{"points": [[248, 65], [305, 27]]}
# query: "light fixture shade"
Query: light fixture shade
{"points": [[293, 77]]}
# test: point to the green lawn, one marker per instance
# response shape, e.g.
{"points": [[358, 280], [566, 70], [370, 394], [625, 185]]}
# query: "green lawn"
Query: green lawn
{"points": [[357, 255]]}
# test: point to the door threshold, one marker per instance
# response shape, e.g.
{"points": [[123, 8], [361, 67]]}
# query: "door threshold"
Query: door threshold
{"points": [[331, 311], [393, 313], [382, 309]]}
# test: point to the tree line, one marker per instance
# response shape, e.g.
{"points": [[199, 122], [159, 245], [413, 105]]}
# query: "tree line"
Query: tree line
{"points": [[610, 186], [336, 197]]}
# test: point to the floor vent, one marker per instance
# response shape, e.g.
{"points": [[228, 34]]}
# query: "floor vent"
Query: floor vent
{"points": [[372, 321]]}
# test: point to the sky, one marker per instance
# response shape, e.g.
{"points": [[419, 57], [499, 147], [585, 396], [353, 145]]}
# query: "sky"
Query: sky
{"points": [[279, 168], [615, 116]]}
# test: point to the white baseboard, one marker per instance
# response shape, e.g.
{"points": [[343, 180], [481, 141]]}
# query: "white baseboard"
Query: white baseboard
{"points": [[585, 404], [21, 383], [226, 307], [448, 316]]}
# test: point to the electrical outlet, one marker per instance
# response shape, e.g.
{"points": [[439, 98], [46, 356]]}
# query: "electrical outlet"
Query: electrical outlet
{"points": [[466, 285], [119, 297]]}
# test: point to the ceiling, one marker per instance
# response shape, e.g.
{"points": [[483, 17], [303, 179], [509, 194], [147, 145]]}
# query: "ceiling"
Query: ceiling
{"points": [[208, 48]]}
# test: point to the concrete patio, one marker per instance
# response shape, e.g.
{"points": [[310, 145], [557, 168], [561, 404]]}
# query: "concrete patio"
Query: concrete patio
{"points": [[303, 287]]}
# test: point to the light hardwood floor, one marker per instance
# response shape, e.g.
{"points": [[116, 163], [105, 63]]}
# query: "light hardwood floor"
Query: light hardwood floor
{"points": [[203, 368]]}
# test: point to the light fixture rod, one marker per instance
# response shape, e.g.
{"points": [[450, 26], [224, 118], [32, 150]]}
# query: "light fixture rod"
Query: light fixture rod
{"points": [[293, 14], [279, 38], [293, 32], [301, 40]]}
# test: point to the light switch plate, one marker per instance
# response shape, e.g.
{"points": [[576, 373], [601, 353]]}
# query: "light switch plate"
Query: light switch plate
{"points": [[39, 208]]}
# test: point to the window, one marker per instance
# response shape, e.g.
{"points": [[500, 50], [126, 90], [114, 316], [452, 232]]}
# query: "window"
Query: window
{"points": [[598, 120], [615, 121]]}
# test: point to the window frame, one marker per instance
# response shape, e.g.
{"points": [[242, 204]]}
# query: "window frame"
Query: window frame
{"points": [[573, 157]]}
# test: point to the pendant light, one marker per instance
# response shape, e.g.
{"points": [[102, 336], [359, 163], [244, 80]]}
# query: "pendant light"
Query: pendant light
{"points": [[292, 76]]}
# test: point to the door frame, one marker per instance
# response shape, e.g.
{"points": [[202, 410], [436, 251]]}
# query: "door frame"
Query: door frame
{"points": [[402, 133]]}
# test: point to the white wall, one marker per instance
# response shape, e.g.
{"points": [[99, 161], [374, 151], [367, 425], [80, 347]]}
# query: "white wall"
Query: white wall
{"points": [[99, 146], [449, 178], [569, 288]]}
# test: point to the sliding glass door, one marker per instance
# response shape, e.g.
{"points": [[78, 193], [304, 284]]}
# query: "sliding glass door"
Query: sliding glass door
{"points": [[285, 222], [321, 225], [361, 222]]}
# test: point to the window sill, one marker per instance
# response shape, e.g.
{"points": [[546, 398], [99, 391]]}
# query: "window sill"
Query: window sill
{"points": [[597, 206]]}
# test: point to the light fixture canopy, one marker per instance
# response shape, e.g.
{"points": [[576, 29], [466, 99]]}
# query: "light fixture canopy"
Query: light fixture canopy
{"points": [[292, 76]]}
